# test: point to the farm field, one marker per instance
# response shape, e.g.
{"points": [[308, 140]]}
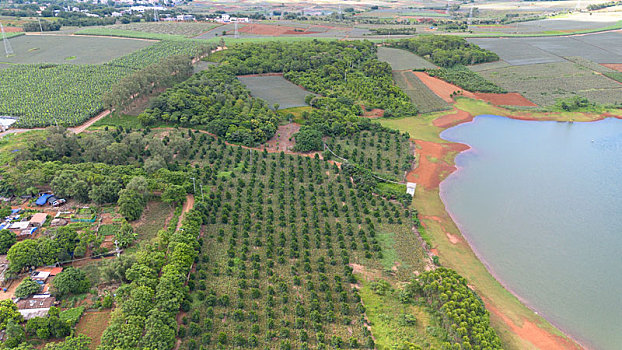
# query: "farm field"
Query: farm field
{"points": [[543, 84], [186, 29], [282, 276], [70, 49], [599, 47], [385, 153], [44, 94], [276, 89], [424, 98], [559, 24], [402, 60]]}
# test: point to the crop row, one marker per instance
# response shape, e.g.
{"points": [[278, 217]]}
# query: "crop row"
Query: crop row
{"points": [[46, 94]]}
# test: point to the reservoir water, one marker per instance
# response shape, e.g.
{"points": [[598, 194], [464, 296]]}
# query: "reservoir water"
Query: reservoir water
{"points": [[541, 204]]}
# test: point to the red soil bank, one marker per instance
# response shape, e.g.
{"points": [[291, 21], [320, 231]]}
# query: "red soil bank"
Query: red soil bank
{"points": [[442, 88], [509, 99]]}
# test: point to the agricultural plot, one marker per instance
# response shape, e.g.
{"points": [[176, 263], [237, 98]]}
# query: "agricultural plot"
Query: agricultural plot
{"points": [[67, 94], [275, 89], [274, 270], [599, 47], [424, 98], [186, 29], [402, 60], [45, 94], [34, 49], [384, 153], [545, 83]]}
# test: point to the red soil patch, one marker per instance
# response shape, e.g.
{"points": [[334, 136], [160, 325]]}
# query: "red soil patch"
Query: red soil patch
{"points": [[13, 29], [450, 120], [533, 334], [283, 140], [374, 113], [433, 168], [614, 66], [272, 30], [509, 99], [442, 88]]}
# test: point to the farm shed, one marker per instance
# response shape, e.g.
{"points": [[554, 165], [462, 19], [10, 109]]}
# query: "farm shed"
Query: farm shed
{"points": [[19, 226], [40, 276], [38, 219], [58, 222], [37, 305], [52, 270]]}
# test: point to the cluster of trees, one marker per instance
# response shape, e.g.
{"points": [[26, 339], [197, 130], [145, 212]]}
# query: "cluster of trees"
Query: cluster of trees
{"points": [[386, 152], [393, 31], [575, 103], [215, 99], [330, 68], [45, 26], [163, 74], [461, 311], [148, 304], [66, 243], [446, 50], [465, 78], [594, 7]]}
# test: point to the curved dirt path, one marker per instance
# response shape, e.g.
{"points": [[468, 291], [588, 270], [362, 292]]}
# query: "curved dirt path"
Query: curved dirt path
{"points": [[187, 206]]}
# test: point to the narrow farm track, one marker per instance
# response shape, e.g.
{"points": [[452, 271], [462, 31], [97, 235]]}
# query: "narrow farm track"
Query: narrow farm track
{"points": [[76, 130], [187, 206]]}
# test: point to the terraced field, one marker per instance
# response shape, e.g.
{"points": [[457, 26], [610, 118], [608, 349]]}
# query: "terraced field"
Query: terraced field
{"points": [[425, 100]]}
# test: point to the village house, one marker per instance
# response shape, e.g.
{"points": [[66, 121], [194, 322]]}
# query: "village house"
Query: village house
{"points": [[37, 305]]}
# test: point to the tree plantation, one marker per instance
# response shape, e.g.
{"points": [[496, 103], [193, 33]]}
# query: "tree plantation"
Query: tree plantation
{"points": [[207, 238]]}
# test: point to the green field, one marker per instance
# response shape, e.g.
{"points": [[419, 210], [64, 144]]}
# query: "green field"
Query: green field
{"points": [[32, 49], [275, 89], [68, 94], [424, 98], [185, 29], [401, 59]]}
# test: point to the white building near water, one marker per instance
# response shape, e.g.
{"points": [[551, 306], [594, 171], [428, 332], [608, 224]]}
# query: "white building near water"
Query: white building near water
{"points": [[410, 188]]}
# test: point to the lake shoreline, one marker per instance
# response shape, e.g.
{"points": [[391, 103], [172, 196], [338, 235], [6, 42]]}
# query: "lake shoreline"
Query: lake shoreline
{"points": [[513, 317], [489, 267]]}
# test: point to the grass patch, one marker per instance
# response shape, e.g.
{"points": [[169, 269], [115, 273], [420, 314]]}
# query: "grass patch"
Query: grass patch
{"points": [[72, 316], [93, 324], [153, 220], [386, 314], [70, 58], [224, 174], [389, 255]]}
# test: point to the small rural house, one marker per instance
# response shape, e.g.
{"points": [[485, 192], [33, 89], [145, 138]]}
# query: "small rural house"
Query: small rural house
{"points": [[37, 305], [38, 219]]}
